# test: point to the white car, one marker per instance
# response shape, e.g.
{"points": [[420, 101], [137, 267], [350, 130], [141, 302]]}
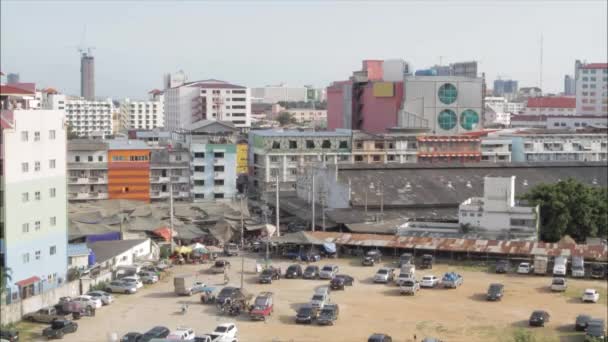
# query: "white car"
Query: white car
{"points": [[559, 284], [524, 268], [429, 281], [88, 301], [591, 295], [148, 277], [181, 334], [402, 278], [106, 298], [328, 272], [319, 300], [133, 280], [226, 332], [384, 275], [118, 286]]}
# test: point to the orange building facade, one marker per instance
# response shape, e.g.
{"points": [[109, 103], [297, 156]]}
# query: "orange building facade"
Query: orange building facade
{"points": [[456, 148], [129, 174]]}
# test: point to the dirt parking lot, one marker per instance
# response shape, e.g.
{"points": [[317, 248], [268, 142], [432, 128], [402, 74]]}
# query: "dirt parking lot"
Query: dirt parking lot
{"points": [[460, 314]]}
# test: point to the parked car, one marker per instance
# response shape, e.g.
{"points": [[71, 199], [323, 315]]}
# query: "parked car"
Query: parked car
{"points": [[59, 328], [293, 271], [328, 271], [156, 332], [539, 318], [263, 306], [429, 281], [559, 284], [119, 286], [409, 287], [427, 262], [319, 300], [311, 272], [329, 314], [340, 281], [371, 257], [406, 258], [231, 249], [524, 268], [10, 335], [452, 280], [590, 295], [220, 266], [581, 322], [44, 315], [269, 274], [133, 280], [598, 271], [502, 266], [181, 334], [106, 298], [402, 277], [88, 301], [495, 292], [384, 275], [380, 338], [306, 314], [310, 256], [229, 292], [226, 332], [148, 277], [596, 330], [132, 337]]}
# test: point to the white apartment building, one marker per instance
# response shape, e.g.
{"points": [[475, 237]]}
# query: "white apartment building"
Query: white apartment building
{"points": [[546, 146], [87, 170], [303, 115], [207, 100], [497, 211], [553, 105], [495, 150], [144, 114], [84, 116], [279, 93], [591, 88], [33, 203]]}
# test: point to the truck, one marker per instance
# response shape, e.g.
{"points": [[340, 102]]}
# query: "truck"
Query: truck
{"points": [[44, 315], [540, 264], [560, 266], [451, 280], [578, 267], [185, 285]]}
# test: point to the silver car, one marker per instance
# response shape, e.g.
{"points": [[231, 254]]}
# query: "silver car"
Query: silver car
{"points": [[118, 286], [328, 271], [319, 300], [105, 297], [148, 277]]}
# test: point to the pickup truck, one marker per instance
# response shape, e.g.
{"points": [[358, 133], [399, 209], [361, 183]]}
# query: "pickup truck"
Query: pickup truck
{"points": [[223, 333], [452, 280], [44, 315], [59, 328]]}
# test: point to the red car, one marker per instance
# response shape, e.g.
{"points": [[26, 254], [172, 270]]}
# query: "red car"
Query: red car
{"points": [[263, 306]]}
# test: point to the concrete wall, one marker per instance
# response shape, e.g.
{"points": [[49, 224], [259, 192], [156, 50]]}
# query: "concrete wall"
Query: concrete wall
{"points": [[10, 313]]}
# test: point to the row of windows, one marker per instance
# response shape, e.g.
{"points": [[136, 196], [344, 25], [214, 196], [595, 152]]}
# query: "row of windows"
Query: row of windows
{"points": [[25, 196], [25, 227], [89, 159], [202, 196], [25, 167], [310, 144], [592, 71], [25, 135], [37, 254], [131, 158]]}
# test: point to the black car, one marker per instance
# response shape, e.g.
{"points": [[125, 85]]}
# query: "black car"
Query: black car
{"points": [[581, 322], [59, 327], [341, 280], [156, 332], [598, 271], [539, 318], [495, 292], [293, 271], [306, 314], [405, 258], [227, 292], [9, 335], [311, 272], [131, 337], [380, 338], [427, 261], [269, 274], [310, 257], [329, 314], [371, 258], [502, 266], [596, 330]]}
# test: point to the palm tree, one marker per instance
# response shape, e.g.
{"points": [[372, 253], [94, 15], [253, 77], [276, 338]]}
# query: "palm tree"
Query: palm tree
{"points": [[5, 278]]}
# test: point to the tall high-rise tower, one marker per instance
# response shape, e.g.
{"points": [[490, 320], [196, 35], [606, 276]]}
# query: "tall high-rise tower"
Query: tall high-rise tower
{"points": [[87, 75]]}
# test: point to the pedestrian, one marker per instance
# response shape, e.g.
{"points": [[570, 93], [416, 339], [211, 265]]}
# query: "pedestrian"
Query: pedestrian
{"points": [[415, 337], [226, 279]]}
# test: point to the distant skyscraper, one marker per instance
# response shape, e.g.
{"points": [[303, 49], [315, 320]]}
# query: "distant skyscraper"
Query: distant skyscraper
{"points": [[87, 76], [569, 85], [12, 78], [503, 87]]}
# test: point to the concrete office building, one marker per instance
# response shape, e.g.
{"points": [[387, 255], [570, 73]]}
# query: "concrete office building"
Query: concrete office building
{"points": [[170, 171], [207, 100], [591, 88], [306, 115], [558, 122], [33, 204], [87, 163], [569, 85], [87, 76], [144, 114]]}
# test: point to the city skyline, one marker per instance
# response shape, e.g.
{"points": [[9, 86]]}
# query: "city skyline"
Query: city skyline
{"points": [[294, 43]]}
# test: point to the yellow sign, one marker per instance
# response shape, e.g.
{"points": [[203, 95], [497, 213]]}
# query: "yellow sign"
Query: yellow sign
{"points": [[241, 159]]}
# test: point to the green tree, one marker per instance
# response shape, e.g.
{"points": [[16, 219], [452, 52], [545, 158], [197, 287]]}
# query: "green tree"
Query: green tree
{"points": [[570, 208], [5, 278], [522, 335], [70, 133], [285, 118]]}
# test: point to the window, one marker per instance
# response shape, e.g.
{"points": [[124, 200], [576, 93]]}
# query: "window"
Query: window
{"points": [[25, 167], [53, 221], [390, 157], [274, 159], [218, 195], [199, 155], [178, 157], [100, 159], [24, 136], [376, 158], [52, 250], [37, 195], [52, 134], [218, 168], [25, 228], [37, 255], [343, 144], [293, 144], [199, 195], [36, 136], [276, 145], [310, 144], [77, 159], [469, 119], [199, 182], [378, 145], [90, 159], [25, 197], [52, 192], [343, 158], [293, 171], [218, 182], [52, 164], [218, 155], [26, 258], [326, 144], [199, 169], [447, 93], [358, 158], [37, 166], [37, 225]]}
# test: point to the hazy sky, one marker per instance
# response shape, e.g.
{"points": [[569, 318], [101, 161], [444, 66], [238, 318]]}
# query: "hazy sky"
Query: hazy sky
{"points": [[296, 42]]}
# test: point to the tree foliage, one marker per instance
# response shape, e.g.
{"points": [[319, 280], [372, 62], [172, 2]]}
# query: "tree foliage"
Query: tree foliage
{"points": [[71, 134], [570, 208], [285, 118]]}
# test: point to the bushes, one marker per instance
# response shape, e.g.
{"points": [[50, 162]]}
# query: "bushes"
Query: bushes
{"points": [[99, 286]]}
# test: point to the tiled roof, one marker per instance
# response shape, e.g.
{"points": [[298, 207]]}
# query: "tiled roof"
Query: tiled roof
{"points": [[213, 83], [596, 66], [6, 89], [552, 102]]}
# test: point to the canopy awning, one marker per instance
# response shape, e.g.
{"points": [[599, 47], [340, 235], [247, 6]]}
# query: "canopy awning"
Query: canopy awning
{"points": [[28, 281]]}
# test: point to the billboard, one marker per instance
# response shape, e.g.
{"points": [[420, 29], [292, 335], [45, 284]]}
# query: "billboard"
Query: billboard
{"points": [[241, 159]]}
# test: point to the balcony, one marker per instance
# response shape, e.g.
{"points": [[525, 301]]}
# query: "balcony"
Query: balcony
{"points": [[198, 176], [158, 179], [87, 195], [198, 161], [159, 194], [219, 161], [219, 175]]}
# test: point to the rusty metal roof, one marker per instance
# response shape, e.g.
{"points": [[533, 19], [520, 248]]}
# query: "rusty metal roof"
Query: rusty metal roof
{"points": [[513, 248]]}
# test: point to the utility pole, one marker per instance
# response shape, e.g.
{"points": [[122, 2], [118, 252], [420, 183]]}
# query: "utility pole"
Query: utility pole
{"points": [[312, 224], [171, 213], [242, 242], [365, 201], [277, 206], [381, 202]]}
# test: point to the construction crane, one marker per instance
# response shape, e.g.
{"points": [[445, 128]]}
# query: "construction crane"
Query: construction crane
{"points": [[82, 48]]}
